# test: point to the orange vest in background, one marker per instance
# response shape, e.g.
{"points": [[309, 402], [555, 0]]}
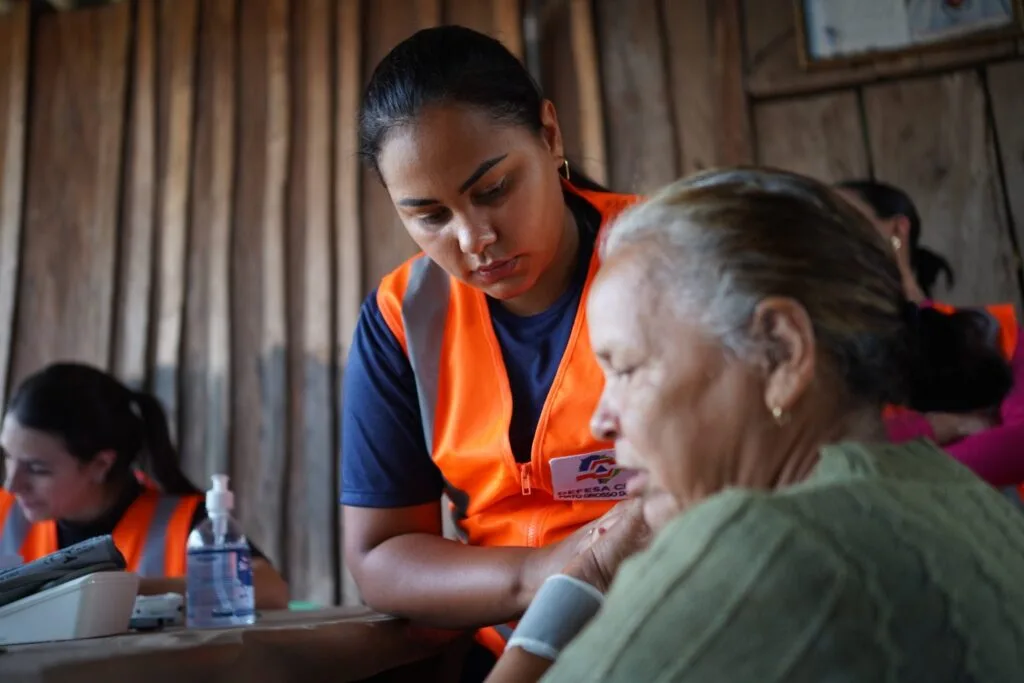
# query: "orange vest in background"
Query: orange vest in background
{"points": [[445, 329], [151, 535], [1005, 315]]}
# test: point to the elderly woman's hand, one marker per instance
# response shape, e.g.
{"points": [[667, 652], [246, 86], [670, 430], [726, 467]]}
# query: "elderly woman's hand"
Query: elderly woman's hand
{"points": [[610, 544]]}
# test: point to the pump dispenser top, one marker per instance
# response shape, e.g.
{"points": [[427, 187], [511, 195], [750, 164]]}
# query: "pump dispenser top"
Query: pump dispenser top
{"points": [[219, 499]]}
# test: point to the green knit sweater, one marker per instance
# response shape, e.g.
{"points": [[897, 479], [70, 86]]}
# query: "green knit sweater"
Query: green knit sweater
{"points": [[891, 563]]}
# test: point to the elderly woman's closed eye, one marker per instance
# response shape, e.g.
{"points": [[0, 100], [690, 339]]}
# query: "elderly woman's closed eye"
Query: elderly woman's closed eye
{"points": [[751, 325]]}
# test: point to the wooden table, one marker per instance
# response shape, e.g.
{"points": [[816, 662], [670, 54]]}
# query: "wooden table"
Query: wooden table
{"points": [[331, 645]]}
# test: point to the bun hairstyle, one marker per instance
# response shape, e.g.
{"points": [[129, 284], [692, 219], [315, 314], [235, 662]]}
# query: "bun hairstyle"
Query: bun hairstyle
{"points": [[91, 412], [450, 65], [727, 239], [888, 201]]}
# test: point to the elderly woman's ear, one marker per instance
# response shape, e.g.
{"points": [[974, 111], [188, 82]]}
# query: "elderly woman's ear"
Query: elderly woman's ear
{"points": [[785, 340]]}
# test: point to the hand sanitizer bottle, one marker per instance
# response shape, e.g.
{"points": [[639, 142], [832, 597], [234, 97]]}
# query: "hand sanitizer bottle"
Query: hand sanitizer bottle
{"points": [[218, 580]]}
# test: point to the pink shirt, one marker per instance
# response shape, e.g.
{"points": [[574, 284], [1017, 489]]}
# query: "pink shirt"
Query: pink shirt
{"points": [[997, 454]]}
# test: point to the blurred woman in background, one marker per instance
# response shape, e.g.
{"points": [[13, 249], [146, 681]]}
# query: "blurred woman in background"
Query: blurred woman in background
{"points": [[991, 440], [72, 438]]}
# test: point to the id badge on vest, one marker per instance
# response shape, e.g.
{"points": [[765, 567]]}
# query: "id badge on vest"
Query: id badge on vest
{"points": [[591, 476]]}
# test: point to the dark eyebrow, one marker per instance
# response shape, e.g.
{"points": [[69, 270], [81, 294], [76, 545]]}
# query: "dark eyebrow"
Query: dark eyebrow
{"points": [[475, 176], [479, 172]]}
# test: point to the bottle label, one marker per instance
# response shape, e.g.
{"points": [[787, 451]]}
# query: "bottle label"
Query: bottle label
{"points": [[219, 587]]}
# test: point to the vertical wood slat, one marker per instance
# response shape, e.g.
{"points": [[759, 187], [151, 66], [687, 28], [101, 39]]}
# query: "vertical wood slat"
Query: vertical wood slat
{"points": [[588, 80], [691, 56], [14, 46], [349, 236], [205, 370], [71, 191], [428, 13], [641, 134], [734, 139], [177, 43], [475, 14], [258, 335], [946, 162], [508, 25], [818, 136], [558, 74], [135, 262], [1007, 96], [387, 24], [312, 555], [273, 446]]}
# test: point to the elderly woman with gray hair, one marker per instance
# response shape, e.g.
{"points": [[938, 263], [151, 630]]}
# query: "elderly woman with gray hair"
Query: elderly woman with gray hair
{"points": [[751, 325]]}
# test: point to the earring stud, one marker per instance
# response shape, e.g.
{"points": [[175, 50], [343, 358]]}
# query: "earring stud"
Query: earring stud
{"points": [[896, 242], [779, 415]]}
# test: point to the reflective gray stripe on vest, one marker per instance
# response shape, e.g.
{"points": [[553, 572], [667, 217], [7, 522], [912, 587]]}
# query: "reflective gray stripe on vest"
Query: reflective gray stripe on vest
{"points": [[151, 564], [14, 532], [424, 309], [504, 630]]}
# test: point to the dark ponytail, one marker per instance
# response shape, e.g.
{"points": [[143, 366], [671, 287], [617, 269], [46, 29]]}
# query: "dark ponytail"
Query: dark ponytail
{"points": [[450, 65], [91, 412], [888, 202], [954, 363], [160, 460]]}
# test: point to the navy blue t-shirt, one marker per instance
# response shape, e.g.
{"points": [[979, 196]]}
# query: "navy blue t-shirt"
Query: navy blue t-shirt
{"points": [[384, 459]]}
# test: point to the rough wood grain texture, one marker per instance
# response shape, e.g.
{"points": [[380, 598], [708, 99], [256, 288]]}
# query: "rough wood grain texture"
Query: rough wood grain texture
{"points": [[588, 82], [205, 376], [79, 64], [387, 243], [138, 202], [475, 14], [734, 144], [1006, 89], [14, 39], [508, 25], [313, 495], [818, 136], [177, 44], [691, 68], [774, 69], [349, 235], [642, 146], [258, 361], [946, 162], [558, 75]]}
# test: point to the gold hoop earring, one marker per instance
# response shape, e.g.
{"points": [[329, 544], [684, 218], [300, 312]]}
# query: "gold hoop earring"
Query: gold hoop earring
{"points": [[896, 242], [780, 416], [565, 169]]}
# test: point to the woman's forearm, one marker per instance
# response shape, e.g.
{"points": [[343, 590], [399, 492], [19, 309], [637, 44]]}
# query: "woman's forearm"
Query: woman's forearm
{"points": [[446, 584]]}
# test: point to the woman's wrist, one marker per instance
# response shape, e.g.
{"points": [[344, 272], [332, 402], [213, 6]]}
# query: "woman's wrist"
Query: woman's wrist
{"points": [[533, 571]]}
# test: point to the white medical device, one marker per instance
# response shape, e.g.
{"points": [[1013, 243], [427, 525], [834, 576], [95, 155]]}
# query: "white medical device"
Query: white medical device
{"points": [[94, 605]]}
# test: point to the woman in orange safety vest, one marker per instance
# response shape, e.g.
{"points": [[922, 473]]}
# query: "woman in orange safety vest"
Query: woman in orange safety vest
{"points": [[990, 443], [72, 439], [471, 372]]}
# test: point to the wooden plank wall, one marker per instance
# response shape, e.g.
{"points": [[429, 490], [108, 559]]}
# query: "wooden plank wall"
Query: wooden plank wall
{"points": [[198, 159], [691, 84], [946, 126]]}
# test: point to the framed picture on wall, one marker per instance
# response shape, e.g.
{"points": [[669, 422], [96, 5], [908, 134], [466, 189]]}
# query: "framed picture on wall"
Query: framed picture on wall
{"points": [[841, 32]]}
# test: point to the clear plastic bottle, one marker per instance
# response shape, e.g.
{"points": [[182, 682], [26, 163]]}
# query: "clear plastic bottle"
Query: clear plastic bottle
{"points": [[218, 580]]}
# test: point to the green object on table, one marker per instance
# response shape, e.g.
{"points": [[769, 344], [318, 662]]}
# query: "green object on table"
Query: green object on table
{"points": [[303, 606]]}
